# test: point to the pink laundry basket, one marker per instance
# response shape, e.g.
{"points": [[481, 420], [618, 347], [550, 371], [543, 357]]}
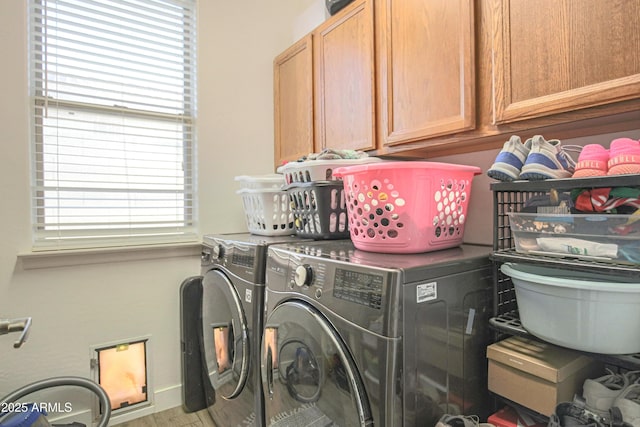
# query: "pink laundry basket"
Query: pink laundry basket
{"points": [[407, 207]]}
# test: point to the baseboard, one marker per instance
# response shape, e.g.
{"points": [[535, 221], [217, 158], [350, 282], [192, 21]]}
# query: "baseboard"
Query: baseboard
{"points": [[164, 399]]}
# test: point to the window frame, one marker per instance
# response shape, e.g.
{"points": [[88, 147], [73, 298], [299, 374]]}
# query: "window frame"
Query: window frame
{"points": [[39, 103]]}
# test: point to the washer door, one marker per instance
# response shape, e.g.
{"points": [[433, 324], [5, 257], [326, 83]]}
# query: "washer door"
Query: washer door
{"points": [[308, 375], [225, 335]]}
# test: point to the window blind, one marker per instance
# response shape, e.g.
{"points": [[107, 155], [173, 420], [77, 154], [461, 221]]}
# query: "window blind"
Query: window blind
{"points": [[113, 89]]}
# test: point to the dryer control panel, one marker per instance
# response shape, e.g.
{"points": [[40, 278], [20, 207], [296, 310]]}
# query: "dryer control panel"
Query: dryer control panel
{"points": [[357, 292], [346, 282], [239, 259], [360, 287]]}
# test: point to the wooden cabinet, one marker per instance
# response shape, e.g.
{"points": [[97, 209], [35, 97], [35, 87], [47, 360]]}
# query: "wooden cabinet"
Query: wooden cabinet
{"points": [[432, 78], [293, 102], [343, 50], [426, 64], [554, 56]]}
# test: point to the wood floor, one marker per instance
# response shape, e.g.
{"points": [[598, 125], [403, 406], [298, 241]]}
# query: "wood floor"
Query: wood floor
{"points": [[175, 417]]}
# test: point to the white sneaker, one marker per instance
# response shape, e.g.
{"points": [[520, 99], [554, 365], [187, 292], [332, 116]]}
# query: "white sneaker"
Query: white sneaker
{"points": [[510, 159], [548, 160], [448, 420], [632, 376], [629, 404], [600, 393]]}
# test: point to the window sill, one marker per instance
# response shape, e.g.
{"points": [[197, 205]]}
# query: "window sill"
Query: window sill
{"points": [[65, 258]]}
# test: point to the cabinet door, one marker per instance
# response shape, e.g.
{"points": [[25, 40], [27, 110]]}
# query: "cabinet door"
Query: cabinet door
{"points": [[344, 79], [553, 56], [293, 102], [426, 68]]}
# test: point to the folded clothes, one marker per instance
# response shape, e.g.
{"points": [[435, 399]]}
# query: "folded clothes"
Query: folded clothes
{"points": [[333, 154], [606, 199]]}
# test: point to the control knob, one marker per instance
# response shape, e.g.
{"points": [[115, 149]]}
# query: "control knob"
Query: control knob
{"points": [[218, 251], [303, 275]]}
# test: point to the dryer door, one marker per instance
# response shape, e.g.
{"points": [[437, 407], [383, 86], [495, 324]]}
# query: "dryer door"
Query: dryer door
{"points": [[225, 335], [308, 374]]}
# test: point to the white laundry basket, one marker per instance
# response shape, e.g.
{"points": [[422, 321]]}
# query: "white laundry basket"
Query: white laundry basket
{"points": [[272, 181], [267, 211], [319, 170]]}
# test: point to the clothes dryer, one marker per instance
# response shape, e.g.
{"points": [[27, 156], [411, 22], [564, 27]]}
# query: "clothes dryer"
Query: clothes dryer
{"points": [[354, 338], [233, 278]]}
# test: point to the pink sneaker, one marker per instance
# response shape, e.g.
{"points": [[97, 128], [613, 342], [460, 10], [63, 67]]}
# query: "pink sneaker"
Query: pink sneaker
{"points": [[624, 157], [592, 161]]}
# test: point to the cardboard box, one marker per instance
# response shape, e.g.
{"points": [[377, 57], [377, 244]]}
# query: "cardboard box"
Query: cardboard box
{"points": [[512, 417], [538, 375]]}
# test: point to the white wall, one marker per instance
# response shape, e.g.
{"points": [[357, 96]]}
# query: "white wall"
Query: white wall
{"points": [[77, 307], [238, 41]]}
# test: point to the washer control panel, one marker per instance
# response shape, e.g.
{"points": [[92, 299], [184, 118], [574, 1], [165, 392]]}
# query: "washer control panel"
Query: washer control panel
{"points": [[361, 287], [318, 279]]}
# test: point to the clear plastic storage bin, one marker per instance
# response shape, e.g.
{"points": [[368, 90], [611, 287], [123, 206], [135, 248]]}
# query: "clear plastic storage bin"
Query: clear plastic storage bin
{"points": [[603, 237]]}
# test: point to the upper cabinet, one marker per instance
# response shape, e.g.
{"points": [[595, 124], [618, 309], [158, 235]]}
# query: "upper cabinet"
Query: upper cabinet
{"points": [[293, 106], [420, 78], [426, 64], [584, 54], [343, 50]]}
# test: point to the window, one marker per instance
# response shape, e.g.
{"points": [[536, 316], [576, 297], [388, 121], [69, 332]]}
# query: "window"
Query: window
{"points": [[113, 97]]}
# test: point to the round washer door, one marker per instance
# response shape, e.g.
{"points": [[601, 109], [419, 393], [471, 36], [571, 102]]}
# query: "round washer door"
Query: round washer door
{"points": [[308, 374], [225, 335]]}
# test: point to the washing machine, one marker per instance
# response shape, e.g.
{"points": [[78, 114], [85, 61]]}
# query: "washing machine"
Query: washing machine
{"points": [[232, 298], [354, 338]]}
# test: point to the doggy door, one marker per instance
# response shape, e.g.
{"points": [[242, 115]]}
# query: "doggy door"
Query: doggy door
{"points": [[122, 372]]}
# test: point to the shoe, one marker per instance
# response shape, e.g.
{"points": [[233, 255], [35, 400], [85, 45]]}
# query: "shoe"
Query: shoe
{"points": [[548, 160], [592, 161], [629, 404], [574, 414], [510, 160], [600, 393], [448, 420], [624, 157], [632, 377]]}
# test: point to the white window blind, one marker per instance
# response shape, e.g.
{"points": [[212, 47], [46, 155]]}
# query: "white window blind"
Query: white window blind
{"points": [[113, 91]]}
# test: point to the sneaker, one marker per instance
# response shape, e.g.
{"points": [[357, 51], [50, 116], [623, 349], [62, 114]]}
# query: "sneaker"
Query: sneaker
{"points": [[574, 414], [510, 159], [548, 160], [448, 420], [624, 157], [632, 376], [600, 393], [629, 404], [592, 161]]}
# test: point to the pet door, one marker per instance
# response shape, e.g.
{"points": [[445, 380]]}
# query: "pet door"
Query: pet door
{"points": [[122, 372]]}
